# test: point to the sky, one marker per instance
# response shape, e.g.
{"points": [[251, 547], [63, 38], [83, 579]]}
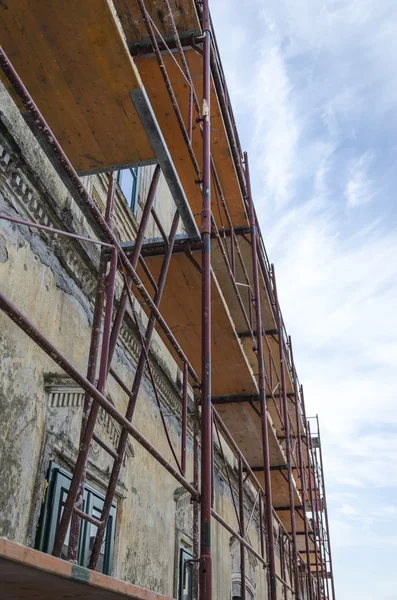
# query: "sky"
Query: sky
{"points": [[314, 89]]}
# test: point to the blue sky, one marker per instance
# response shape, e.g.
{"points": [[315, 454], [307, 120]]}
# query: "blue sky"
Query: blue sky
{"points": [[314, 89]]}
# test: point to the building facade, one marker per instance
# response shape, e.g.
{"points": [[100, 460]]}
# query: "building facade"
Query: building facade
{"points": [[104, 280]]}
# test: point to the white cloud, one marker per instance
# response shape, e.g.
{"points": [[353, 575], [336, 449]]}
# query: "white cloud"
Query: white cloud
{"points": [[348, 510], [359, 188], [317, 109], [276, 127]]}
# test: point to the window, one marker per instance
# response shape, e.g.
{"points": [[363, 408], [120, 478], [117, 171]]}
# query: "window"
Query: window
{"points": [[128, 180], [58, 486], [185, 575]]}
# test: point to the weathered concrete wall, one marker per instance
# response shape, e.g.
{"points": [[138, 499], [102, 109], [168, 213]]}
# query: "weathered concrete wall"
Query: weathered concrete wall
{"points": [[52, 281]]}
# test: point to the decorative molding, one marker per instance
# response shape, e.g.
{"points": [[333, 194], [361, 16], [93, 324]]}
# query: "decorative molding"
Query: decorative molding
{"points": [[34, 207], [63, 393]]}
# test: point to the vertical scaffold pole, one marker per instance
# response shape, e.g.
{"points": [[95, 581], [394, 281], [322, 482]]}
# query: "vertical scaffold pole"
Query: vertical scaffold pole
{"points": [[206, 411], [287, 433], [312, 506], [196, 476], [243, 591], [326, 513], [92, 369], [262, 389], [298, 396], [317, 504]]}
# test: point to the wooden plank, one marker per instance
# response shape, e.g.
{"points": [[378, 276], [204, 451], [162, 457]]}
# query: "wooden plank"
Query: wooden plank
{"points": [[280, 492], [180, 306], [272, 365], [245, 426], [26, 574], [75, 63], [220, 268], [220, 149], [285, 519]]}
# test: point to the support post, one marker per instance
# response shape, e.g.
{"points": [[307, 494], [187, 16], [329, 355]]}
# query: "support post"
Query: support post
{"points": [[242, 527], [287, 439], [314, 514], [206, 411], [326, 513], [132, 402], [80, 467], [75, 524], [262, 389], [118, 320], [196, 528], [318, 518], [302, 473], [184, 419]]}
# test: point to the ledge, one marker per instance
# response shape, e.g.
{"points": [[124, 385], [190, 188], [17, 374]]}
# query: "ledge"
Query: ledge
{"points": [[27, 573]]}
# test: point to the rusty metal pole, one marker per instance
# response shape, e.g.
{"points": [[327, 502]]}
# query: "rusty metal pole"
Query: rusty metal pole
{"points": [[242, 532], [184, 419], [314, 517], [324, 533], [206, 411], [196, 518], [262, 389], [84, 201], [118, 319], [287, 438], [81, 464], [302, 470], [132, 402], [91, 370], [318, 511], [326, 514], [261, 530]]}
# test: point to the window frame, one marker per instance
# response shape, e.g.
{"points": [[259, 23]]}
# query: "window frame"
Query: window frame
{"points": [[184, 556], [133, 200], [58, 480]]}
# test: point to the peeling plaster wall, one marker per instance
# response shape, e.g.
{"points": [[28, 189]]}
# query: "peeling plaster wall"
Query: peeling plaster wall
{"points": [[52, 281]]}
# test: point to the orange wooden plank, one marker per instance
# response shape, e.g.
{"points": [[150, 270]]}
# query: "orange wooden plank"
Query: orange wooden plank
{"points": [[29, 574], [220, 149], [180, 306], [74, 61]]}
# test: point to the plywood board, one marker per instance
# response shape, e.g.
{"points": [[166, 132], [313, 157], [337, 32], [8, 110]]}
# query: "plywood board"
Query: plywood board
{"points": [[75, 63], [272, 367], [155, 87], [220, 267], [27, 574], [181, 308], [280, 492], [245, 426]]}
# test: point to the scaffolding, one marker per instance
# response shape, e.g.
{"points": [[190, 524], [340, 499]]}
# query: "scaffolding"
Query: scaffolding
{"points": [[179, 97]]}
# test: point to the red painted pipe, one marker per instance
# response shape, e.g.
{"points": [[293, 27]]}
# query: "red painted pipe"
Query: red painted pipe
{"points": [[262, 390], [206, 410], [287, 432]]}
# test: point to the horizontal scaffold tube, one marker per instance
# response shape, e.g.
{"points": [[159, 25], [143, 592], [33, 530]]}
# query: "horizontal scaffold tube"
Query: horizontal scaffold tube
{"points": [[238, 537]]}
